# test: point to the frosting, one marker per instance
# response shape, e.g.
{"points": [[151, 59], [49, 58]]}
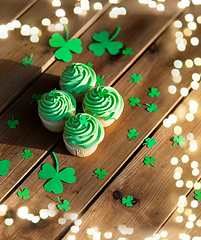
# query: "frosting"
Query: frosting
{"points": [[84, 130], [77, 78], [56, 105], [104, 102]]}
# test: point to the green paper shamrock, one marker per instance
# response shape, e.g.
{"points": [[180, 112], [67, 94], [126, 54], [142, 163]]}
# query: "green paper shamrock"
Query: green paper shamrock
{"points": [[153, 92], [178, 140], [100, 173], [152, 108], [4, 165], [12, 123], [24, 193], [27, 153], [55, 184], [84, 120], [198, 193], [103, 92], [89, 64], [36, 97], [133, 134], [149, 160], [134, 101], [26, 61], [150, 143], [99, 80], [65, 47], [63, 205], [129, 201], [127, 51], [135, 78], [105, 43]]}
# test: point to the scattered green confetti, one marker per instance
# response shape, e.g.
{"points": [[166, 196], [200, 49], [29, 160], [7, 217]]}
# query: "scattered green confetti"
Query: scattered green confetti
{"points": [[26, 154], [24, 193], [55, 184], [36, 97], [99, 80], [152, 108], [89, 64], [150, 143], [4, 165], [127, 51], [134, 101], [12, 123], [129, 201], [26, 61], [198, 195], [178, 140], [63, 205], [65, 47], [84, 120], [103, 92], [54, 94], [100, 173], [133, 134], [149, 160], [135, 78], [153, 92], [105, 43]]}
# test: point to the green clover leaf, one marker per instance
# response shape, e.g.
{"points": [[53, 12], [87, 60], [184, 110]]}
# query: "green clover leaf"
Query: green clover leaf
{"points": [[178, 140], [150, 143], [36, 97], [134, 101], [99, 80], [4, 165], [105, 43], [12, 123], [152, 108], [26, 61], [63, 205], [129, 201], [133, 133], [135, 78], [149, 160], [55, 184], [24, 193], [27, 153], [198, 193], [102, 92], [84, 120], [127, 51], [89, 64], [54, 94], [65, 47], [153, 92], [100, 173]]}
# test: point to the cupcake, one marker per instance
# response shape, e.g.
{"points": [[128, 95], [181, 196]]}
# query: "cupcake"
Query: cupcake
{"points": [[54, 108], [82, 134], [104, 103], [77, 79]]}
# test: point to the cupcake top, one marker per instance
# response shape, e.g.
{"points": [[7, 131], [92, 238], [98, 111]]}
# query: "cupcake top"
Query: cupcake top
{"points": [[78, 77], [84, 130], [104, 102], [56, 105]]}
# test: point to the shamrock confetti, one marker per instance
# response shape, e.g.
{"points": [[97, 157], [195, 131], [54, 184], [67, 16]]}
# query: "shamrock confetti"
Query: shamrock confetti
{"points": [[105, 43], [129, 201], [54, 94], [63, 205], [127, 51], [152, 108], [103, 92], [149, 160], [36, 97], [135, 78], [178, 140], [198, 193], [150, 143], [64, 53], [133, 134], [24, 193], [12, 123], [4, 165], [100, 173], [84, 120], [153, 92], [89, 64], [26, 61], [27, 153], [134, 101], [99, 80], [55, 184]]}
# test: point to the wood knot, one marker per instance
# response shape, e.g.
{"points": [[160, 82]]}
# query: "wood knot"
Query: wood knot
{"points": [[116, 194]]}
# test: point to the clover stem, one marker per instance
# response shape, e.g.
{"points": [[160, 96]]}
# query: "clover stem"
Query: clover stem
{"points": [[59, 200], [21, 189], [12, 118], [56, 160], [67, 33], [31, 57], [116, 33], [152, 165]]}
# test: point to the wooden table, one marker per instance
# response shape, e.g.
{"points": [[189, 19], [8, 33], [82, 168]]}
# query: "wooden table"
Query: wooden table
{"points": [[165, 206]]}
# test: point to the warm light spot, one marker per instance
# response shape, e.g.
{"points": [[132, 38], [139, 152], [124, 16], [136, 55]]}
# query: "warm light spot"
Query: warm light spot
{"points": [[85, 5], [75, 229], [193, 147], [64, 20], [179, 35], [43, 213], [194, 41], [78, 222], [189, 117], [195, 172], [179, 170], [190, 136], [46, 22], [56, 3], [195, 85], [166, 123], [179, 41], [35, 219], [193, 111], [59, 27], [30, 217], [188, 212], [196, 2], [198, 223], [174, 161], [16, 24], [189, 184], [51, 213], [160, 7], [98, 6], [90, 231], [187, 32], [116, 10], [180, 5], [97, 236], [182, 198], [22, 212], [71, 237], [197, 61], [164, 234], [177, 130], [181, 204], [10, 26], [197, 185], [189, 17], [185, 158], [3, 210], [178, 64], [108, 235], [152, 4], [60, 13], [172, 118], [156, 236], [34, 38], [8, 221], [121, 238], [192, 25], [199, 19], [194, 164], [189, 225], [179, 183], [51, 28], [196, 77], [179, 219], [180, 209], [25, 30], [177, 79], [113, 14], [192, 217], [178, 24], [172, 89], [181, 47], [177, 176], [130, 231], [62, 221], [73, 216], [34, 31], [122, 11], [189, 63], [77, 10], [175, 72], [194, 204], [113, 1], [184, 91]]}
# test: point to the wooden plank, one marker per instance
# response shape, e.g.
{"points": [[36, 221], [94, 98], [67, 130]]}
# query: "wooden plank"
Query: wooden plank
{"points": [[11, 10]]}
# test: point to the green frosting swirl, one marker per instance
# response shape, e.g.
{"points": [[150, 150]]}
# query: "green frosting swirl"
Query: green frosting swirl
{"points": [[78, 77], [104, 102], [56, 105], [84, 130]]}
